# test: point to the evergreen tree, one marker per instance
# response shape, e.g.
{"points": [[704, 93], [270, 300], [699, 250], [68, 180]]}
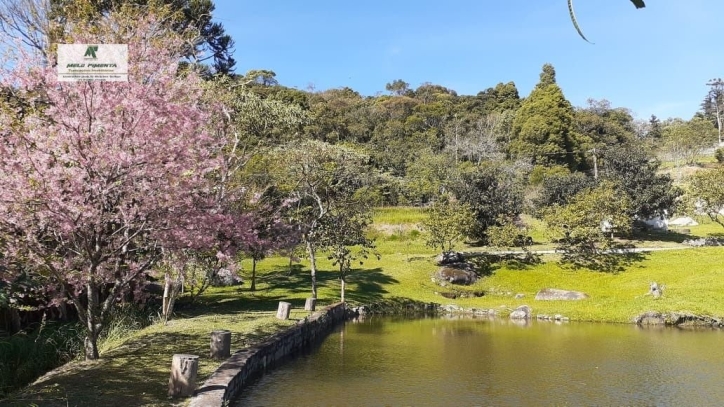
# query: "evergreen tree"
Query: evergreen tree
{"points": [[655, 127], [543, 126]]}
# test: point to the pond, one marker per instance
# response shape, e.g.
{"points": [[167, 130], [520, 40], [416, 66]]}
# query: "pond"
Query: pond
{"points": [[466, 362]]}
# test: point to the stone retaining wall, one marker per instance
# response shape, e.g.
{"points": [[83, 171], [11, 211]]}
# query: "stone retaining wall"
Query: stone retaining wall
{"points": [[236, 372]]}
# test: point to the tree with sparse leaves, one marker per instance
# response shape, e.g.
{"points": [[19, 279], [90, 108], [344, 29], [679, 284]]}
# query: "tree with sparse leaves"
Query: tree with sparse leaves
{"points": [[320, 181], [447, 224], [586, 224], [343, 236], [706, 193], [713, 105]]}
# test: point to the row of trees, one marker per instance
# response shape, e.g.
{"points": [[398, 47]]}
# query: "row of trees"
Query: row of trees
{"points": [[415, 135]]}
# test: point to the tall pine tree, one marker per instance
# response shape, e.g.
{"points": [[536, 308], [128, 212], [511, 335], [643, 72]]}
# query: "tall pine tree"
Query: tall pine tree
{"points": [[543, 126]]}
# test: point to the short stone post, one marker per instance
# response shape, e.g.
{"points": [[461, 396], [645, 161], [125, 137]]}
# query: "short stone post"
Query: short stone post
{"points": [[283, 310], [655, 290], [310, 304], [183, 375], [220, 344]]}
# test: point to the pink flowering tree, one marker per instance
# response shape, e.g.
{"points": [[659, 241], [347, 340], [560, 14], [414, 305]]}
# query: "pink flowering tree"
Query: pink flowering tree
{"points": [[98, 177]]}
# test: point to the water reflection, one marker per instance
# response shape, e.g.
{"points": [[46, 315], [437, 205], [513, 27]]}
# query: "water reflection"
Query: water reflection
{"points": [[431, 362]]}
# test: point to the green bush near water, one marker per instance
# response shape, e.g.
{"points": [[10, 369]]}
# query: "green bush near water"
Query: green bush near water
{"points": [[26, 355]]}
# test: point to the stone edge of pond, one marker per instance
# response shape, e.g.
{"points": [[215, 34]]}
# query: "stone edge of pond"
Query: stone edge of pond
{"points": [[677, 319], [406, 306], [229, 379]]}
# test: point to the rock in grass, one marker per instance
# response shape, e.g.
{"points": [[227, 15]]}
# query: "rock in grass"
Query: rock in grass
{"points": [[555, 294], [449, 258], [650, 318], [226, 278], [455, 275], [522, 312]]}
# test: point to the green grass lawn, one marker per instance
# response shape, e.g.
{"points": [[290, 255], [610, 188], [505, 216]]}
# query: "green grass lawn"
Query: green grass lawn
{"points": [[135, 371], [396, 215]]}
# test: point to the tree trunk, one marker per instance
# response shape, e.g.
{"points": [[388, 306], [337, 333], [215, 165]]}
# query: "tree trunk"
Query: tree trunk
{"points": [[93, 323], [253, 274], [313, 267], [176, 287], [15, 323], [342, 284], [63, 307], [91, 346], [166, 296], [718, 119]]}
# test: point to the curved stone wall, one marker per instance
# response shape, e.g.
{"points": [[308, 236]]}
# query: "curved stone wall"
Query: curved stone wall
{"points": [[228, 380]]}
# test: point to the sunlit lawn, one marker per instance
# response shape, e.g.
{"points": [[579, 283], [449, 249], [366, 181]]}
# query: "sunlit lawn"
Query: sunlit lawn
{"points": [[136, 371]]}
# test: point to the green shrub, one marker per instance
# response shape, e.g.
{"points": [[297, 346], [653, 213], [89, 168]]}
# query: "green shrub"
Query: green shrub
{"points": [[540, 173], [27, 355], [719, 155]]}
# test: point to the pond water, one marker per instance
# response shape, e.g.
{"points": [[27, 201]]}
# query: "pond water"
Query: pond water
{"points": [[466, 362]]}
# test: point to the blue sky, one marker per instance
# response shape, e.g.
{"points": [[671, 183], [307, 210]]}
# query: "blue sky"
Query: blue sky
{"points": [[655, 60]]}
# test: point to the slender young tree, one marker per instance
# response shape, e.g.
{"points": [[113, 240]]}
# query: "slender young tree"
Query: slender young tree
{"points": [[320, 179], [344, 237], [713, 104]]}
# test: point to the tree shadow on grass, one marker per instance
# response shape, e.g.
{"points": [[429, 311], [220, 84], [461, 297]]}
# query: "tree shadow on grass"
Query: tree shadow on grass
{"points": [[277, 285], [363, 286], [670, 236], [614, 261], [488, 263], [367, 285]]}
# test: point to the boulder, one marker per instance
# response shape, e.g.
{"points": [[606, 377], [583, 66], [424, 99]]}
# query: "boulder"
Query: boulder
{"points": [[657, 223], [650, 318], [704, 241], [522, 312], [456, 275], [226, 278], [555, 294], [449, 258], [683, 221]]}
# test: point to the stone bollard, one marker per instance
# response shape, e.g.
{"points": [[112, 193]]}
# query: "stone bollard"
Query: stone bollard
{"points": [[220, 344], [182, 382], [655, 290], [283, 310], [310, 304]]}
